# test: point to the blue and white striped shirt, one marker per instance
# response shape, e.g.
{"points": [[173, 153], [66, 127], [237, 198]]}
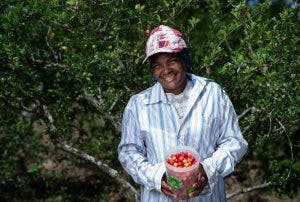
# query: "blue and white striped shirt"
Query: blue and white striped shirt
{"points": [[151, 126]]}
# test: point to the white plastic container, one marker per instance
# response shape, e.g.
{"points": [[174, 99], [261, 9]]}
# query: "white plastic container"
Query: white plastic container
{"points": [[182, 179]]}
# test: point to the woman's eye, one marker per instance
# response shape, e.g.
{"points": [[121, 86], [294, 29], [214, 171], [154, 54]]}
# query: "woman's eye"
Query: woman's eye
{"points": [[173, 61], [155, 66]]}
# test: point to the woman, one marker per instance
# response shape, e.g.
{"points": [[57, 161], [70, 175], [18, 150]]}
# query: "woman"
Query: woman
{"points": [[180, 109]]}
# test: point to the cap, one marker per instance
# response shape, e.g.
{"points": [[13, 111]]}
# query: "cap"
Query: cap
{"points": [[164, 39]]}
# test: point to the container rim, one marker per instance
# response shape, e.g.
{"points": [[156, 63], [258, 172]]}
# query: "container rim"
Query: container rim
{"points": [[177, 149]]}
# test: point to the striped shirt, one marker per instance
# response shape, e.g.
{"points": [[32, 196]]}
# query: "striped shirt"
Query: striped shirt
{"points": [[151, 126]]}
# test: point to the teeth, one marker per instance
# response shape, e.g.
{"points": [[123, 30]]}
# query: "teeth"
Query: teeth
{"points": [[168, 77]]}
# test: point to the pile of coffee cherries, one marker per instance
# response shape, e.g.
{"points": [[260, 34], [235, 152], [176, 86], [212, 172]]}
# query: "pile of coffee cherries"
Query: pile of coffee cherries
{"points": [[181, 159]]}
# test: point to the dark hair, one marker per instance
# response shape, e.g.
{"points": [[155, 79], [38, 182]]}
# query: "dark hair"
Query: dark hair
{"points": [[184, 54]]}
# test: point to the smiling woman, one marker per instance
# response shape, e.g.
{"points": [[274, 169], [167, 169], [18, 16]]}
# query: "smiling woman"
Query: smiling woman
{"points": [[180, 109]]}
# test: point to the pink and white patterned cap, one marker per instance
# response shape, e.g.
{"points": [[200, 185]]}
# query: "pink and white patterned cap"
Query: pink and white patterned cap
{"points": [[164, 39]]}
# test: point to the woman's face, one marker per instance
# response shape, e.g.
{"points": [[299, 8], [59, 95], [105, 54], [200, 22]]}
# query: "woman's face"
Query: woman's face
{"points": [[169, 70]]}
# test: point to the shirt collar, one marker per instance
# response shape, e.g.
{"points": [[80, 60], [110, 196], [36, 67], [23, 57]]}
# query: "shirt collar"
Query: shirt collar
{"points": [[157, 94]]}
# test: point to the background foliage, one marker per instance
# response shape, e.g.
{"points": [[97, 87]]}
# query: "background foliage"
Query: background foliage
{"points": [[57, 53]]}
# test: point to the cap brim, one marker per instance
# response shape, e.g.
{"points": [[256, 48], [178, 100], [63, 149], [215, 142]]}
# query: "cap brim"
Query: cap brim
{"points": [[161, 50]]}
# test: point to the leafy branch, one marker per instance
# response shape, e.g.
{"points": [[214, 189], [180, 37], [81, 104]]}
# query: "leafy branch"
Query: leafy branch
{"points": [[249, 189], [266, 184], [126, 186]]}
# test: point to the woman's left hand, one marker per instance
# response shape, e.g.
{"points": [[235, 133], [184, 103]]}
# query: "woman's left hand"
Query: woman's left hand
{"points": [[200, 184]]}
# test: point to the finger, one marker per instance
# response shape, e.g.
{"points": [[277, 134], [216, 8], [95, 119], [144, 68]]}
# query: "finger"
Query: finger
{"points": [[166, 186], [201, 178], [169, 193], [195, 193], [195, 185], [201, 186], [198, 184]]}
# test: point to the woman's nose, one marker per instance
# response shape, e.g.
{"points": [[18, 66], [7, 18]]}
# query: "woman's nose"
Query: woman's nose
{"points": [[166, 68]]}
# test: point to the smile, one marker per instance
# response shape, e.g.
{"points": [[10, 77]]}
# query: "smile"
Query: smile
{"points": [[168, 77]]}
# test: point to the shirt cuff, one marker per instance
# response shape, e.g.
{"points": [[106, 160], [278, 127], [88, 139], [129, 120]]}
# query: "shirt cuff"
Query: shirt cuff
{"points": [[158, 176], [210, 177]]}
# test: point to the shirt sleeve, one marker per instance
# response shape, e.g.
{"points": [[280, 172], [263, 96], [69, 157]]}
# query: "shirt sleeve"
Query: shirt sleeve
{"points": [[230, 147], [133, 157]]}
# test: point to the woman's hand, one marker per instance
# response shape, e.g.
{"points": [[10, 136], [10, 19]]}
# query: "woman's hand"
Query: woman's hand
{"points": [[166, 188], [201, 182]]}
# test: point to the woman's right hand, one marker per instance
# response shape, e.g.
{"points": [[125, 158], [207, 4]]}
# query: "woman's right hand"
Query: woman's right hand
{"points": [[167, 189]]}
